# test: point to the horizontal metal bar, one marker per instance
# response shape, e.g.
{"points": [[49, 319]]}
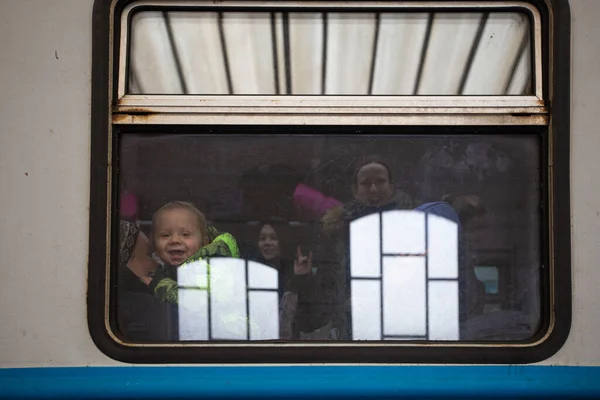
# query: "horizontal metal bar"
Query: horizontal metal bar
{"points": [[451, 102], [132, 110], [397, 5], [329, 119]]}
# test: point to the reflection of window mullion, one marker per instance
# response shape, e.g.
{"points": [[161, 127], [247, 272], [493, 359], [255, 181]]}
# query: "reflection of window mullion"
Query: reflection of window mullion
{"points": [[185, 287], [381, 303], [404, 254], [405, 337], [426, 277], [248, 290], [208, 301]]}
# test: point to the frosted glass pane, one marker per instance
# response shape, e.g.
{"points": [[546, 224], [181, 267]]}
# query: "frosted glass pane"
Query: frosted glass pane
{"points": [[404, 296], [262, 276], [403, 232], [442, 249], [499, 47], [521, 80], [193, 274], [152, 62], [351, 53], [365, 255], [306, 40], [443, 310], [193, 314], [447, 59], [366, 310], [349, 49], [228, 298], [197, 37], [264, 315], [248, 44], [399, 47]]}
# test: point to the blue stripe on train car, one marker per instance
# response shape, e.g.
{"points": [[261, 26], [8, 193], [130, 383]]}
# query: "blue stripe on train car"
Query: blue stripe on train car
{"points": [[302, 382]]}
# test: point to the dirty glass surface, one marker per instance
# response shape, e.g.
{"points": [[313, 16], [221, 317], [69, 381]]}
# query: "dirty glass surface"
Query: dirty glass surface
{"points": [[329, 236], [330, 53]]}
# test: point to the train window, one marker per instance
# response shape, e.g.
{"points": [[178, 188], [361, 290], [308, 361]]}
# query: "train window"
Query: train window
{"points": [[329, 182]]}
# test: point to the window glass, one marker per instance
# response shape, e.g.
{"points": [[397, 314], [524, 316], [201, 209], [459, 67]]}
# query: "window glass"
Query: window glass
{"points": [[319, 234], [330, 53]]}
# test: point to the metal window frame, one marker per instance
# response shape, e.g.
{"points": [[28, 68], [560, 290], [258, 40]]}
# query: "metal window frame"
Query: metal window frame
{"points": [[193, 109], [111, 114]]}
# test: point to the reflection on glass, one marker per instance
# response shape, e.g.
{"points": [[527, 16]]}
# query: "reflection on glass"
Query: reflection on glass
{"points": [[442, 308], [442, 248], [489, 277], [332, 53], [263, 311], [403, 232], [243, 304], [404, 307], [366, 303], [409, 282], [365, 254], [440, 243], [193, 314]]}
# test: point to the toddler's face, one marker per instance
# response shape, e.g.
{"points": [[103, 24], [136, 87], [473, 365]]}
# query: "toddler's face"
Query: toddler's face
{"points": [[177, 235]]}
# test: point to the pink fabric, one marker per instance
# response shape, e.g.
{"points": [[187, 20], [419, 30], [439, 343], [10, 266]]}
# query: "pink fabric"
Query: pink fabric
{"points": [[129, 206], [311, 202]]}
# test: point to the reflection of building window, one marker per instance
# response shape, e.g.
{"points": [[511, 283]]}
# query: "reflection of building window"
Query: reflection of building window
{"points": [[404, 270], [490, 278], [232, 299]]}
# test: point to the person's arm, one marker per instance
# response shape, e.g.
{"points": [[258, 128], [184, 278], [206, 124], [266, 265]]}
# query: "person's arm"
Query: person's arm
{"points": [[164, 288], [315, 292]]}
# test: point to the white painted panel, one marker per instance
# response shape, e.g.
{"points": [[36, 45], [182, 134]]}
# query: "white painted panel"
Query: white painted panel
{"points": [[193, 314], [366, 309], [450, 42], [250, 52], [582, 345], [349, 49], [197, 39], [401, 38], [262, 276], [442, 247], [365, 247], [404, 296], [228, 298], [403, 232], [306, 44], [264, 315], [152, 59], [443, 310]]}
